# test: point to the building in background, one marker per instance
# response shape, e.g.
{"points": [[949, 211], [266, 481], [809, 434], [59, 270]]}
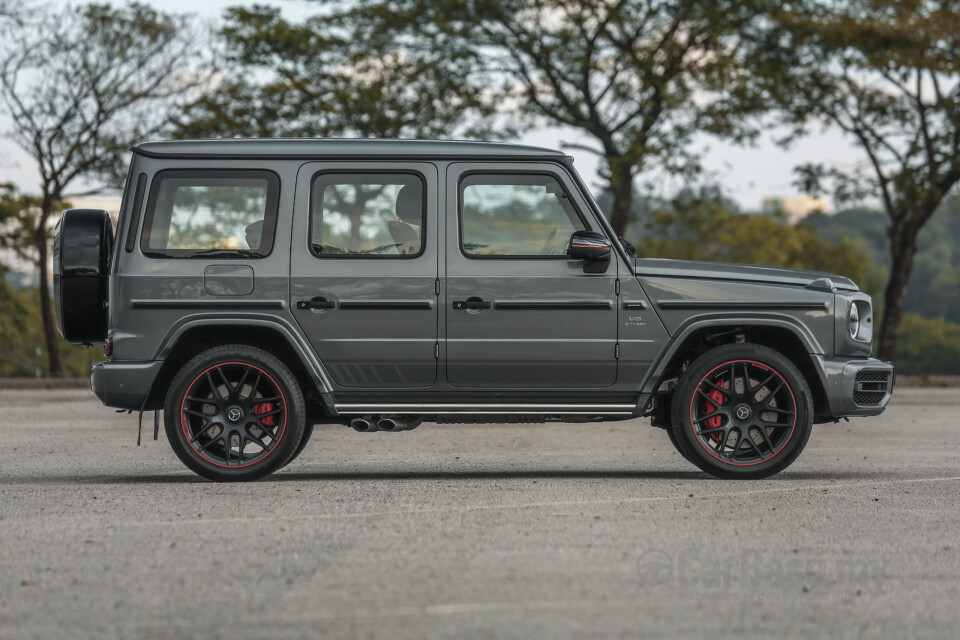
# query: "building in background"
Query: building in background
{"points": [[796, 208]]}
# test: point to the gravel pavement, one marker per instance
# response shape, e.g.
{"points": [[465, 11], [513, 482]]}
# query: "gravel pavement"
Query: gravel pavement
{"points": [[478, 531]]}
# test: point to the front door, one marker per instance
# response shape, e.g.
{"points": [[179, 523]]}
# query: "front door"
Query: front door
{"points": [[521, 314], [363, 272]]}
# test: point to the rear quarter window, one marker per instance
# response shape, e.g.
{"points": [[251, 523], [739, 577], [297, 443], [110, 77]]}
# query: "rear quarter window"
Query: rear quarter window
{"points": [[211, 213]]}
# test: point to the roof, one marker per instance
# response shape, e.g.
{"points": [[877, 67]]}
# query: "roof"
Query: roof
{"points": [[340, 147]]}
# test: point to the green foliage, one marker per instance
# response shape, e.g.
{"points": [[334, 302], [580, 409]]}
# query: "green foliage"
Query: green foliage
{"points": [[935, 286], [928, 347], [333, 75], [701, 226], [18, 219], [22, 351]]}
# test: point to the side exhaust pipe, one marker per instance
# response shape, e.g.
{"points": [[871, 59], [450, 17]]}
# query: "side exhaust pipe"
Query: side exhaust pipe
{"points": [[363, 425], [397, 423]]}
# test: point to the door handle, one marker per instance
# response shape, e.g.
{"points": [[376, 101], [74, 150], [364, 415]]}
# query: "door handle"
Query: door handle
{"points": [[471, 304], [318, 302]]}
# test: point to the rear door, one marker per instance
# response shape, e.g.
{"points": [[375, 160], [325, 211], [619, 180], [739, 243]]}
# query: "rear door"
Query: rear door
{"points": [[520, 313], [364, 273]]}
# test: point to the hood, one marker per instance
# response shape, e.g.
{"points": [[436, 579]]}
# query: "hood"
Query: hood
{"points": [[655, 267]]}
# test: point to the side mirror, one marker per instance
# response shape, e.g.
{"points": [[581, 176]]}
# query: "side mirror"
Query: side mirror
{"points": [[593, 248]]}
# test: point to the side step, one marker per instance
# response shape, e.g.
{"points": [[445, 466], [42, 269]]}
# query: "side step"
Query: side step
{"points": [[487, 409]]}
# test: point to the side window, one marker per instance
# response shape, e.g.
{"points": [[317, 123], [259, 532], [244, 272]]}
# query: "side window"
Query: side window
{"points": [[515, 215], [203, 213], [367, 215]]}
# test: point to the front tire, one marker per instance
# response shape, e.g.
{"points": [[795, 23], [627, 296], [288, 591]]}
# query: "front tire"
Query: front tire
{"points": [[742, 411], [234, 413]]}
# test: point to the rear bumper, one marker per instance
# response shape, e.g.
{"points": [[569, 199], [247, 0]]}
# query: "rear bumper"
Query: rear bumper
{"points": [[124, 385], [857, 387]]}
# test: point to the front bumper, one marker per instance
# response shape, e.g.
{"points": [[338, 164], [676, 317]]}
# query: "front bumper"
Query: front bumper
{"points": [[857, 387], [124, 385]]}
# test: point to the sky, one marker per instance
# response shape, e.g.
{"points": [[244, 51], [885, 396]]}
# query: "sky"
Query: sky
{"points": [[748, 174]]}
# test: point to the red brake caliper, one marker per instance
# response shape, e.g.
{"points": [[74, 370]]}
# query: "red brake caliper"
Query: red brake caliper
{"points": [[264, 407], [714, 422]]}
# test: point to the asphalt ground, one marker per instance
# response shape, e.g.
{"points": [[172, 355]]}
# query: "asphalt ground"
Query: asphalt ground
{"points": [[478, 531]]}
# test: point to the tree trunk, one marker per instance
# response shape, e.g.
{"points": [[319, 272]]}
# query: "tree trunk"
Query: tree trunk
{"points": [[903, 248], [621, 188], [46, 309]]}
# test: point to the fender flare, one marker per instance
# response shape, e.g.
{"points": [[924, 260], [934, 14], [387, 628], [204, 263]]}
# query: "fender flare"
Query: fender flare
{"points": [[304, 350], [706, 321]]}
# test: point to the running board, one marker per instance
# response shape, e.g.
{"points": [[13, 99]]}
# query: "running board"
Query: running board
{"points": [[488, 409]]}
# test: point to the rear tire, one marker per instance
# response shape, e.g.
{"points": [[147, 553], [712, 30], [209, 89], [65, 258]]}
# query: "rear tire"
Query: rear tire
{"points": [[742, 411], [307, 434], [234, 413]]}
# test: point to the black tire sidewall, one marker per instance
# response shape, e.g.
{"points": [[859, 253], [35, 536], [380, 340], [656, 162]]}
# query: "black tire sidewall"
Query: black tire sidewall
{"points": [[686, 440], [289, 442]]}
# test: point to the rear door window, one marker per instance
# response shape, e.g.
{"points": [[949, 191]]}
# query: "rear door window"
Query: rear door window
{"points": [[211, 213], [368, 215]]}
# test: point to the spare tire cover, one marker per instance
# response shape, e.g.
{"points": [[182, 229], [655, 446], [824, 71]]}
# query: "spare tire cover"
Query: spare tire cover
{"points": [[82, 247]]}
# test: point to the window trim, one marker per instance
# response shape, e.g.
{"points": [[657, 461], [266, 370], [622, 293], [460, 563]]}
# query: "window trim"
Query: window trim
{"points": [[270, 215], [500, 172], [367, 256]]}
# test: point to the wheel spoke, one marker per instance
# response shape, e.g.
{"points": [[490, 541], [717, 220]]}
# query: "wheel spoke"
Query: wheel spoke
{"points": [[725, 392], [754, 444], [754, 390], [739, 445], [778, 410], [214, 389], [243, 379], [708, 431], [766, 438], [265, 400], [708, 416], [253, 389], [773, 394], [212, 440], [267, 414], [706, 397], [199, 414], [226, 383], [204, 429], [257, 440]]}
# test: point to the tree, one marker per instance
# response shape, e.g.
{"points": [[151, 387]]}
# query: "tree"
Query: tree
{"points": [[331, 76], [639, 77], [80, 86], [887, 74]]}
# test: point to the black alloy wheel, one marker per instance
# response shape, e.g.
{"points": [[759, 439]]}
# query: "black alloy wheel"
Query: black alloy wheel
{"points": [[742, 411], [235, 413]]}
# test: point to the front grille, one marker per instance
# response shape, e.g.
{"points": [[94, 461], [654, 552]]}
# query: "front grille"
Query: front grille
{"points": [[867, 399], [873, 376], [870, 387]]}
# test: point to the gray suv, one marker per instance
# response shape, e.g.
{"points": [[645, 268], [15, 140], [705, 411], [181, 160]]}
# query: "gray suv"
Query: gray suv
{"points": [[256, 288]]}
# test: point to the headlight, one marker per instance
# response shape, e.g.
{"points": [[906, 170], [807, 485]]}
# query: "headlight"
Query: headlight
{"points": [[854, 321]]}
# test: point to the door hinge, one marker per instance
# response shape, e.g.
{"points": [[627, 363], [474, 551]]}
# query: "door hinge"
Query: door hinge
{"points": [[616, 352], [436, 350], [436, 286], [618, 286]]}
